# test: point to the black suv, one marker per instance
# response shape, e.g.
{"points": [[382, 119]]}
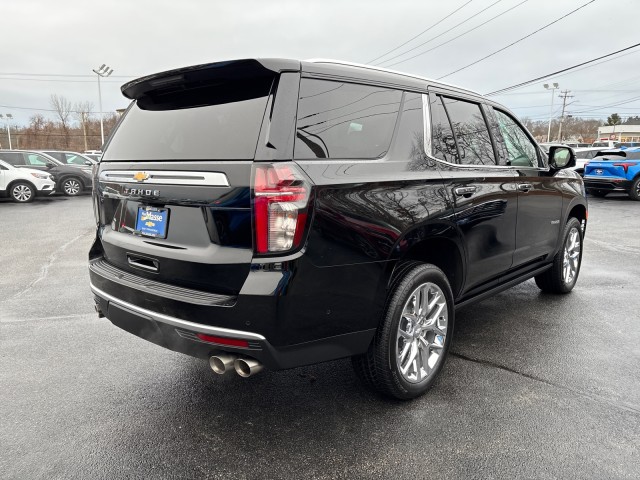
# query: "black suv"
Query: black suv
{"points": [[283, 213], [70, 180]]}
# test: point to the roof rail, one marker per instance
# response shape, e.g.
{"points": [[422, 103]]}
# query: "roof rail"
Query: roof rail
{"points": [[386, 70]]}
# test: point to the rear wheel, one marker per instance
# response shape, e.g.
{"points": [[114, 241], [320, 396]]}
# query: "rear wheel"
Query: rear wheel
{"points": [[71, 186], [413, 339], [597, 193], [563, 274], [635, 190], [22, 192]]}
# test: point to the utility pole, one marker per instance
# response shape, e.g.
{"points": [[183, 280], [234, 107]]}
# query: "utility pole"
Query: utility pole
{"points": [[564, 94], [101, 72], [553, 89]]}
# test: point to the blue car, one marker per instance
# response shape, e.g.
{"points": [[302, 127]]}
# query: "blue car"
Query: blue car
{"points": [[615, 170]]}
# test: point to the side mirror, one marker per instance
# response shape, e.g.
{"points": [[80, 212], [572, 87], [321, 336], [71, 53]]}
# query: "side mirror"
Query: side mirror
{"points": [[87, 162], [561, 157], [50, 164]]}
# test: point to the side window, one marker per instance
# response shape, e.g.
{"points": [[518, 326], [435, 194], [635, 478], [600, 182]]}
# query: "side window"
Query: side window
{"points": [[443, 145], [471, 132], [344, 120], [409, 142], [72, 159], [521, 152], [12, 158], [56, 155], [35, 159]]}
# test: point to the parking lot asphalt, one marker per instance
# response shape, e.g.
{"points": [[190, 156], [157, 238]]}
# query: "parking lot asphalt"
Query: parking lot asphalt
{"points": [[536, 386]]}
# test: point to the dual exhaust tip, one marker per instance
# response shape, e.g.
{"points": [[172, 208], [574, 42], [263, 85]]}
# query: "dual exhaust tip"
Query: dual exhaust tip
{"points": [[244, 366]]}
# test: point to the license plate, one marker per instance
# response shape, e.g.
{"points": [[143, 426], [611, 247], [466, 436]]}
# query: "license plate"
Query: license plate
{"points": [[152, 221]]}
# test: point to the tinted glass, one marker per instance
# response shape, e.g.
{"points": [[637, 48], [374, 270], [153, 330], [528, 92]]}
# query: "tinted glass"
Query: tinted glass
{"points": [[12, 158], [471, 132], [521, 151], [218, 131], [35, 159], [443, 145], [73, 159], [409, 142], [344, 120], [56, 155]]}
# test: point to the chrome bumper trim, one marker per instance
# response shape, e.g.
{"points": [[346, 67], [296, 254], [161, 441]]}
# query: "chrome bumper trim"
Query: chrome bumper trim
{"points": [[177, 322]]}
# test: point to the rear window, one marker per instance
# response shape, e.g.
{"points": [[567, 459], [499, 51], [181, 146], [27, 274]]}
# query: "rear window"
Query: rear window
{"points": [[618, 156], [224, 125], [344, 120]]}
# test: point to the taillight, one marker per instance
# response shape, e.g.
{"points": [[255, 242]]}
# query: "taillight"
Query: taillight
{"points": [[281, 195], [624, 165]]}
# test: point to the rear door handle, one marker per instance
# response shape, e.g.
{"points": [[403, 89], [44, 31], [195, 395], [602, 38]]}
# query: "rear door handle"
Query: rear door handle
{"points": [[464, 191], [524, 187]]}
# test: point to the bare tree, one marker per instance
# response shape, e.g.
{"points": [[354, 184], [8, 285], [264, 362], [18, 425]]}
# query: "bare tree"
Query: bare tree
{"points": [[62, 108], [83, 112]]}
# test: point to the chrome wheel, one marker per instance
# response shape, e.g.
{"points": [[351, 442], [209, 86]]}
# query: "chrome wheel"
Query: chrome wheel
{"points": [[422, 331], [71, 187], [571, 260], [22, 193]]}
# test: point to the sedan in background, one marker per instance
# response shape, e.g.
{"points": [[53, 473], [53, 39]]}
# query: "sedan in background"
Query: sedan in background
{"points": [[583, 155], [24, 184], [70, 180]]}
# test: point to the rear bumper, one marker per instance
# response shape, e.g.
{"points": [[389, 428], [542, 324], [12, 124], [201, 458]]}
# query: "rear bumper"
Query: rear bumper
{"points": [[181, 336], [611, 184], [291, 313]]}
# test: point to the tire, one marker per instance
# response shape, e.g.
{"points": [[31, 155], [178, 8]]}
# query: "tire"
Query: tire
{"points": [[71, 186], [598, 193], [634, 193], [387, 367], [563, 274], [22, 192]]}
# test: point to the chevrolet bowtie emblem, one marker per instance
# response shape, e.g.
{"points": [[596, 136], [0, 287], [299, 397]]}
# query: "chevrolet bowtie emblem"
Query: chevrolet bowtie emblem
{"points": [[140, 176]]}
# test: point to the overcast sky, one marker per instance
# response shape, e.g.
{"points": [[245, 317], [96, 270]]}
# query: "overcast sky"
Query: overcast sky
{"points": [[46, 42]]}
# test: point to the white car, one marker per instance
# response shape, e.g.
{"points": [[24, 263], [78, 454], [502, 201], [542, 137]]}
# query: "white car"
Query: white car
{"points": [[23, 184], [583, 155]]}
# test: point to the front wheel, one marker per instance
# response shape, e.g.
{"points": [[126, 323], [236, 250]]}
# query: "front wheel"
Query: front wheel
{"points": [[71, 186], [22, 192], [413, 339], [563, 274]]}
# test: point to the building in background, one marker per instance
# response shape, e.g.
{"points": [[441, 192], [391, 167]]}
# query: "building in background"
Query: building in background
{"points": [[619, 133]]}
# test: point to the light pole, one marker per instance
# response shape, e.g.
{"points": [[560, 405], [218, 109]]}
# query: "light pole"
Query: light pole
{"points": [[553, 89], [103, 71], [8, 117]]}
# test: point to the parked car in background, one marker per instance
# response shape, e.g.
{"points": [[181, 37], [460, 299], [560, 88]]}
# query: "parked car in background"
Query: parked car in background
{"points": [[24, 184], [605, 144], [70, 180], [93, 156], [614, 171], [71, 158], [355, 216], [583, 155]]}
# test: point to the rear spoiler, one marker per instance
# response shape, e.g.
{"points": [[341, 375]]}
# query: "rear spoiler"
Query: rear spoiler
{"points": [[201, 76]]}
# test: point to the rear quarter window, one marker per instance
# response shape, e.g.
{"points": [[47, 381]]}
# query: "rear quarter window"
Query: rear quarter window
{"points": [[344, 120]]}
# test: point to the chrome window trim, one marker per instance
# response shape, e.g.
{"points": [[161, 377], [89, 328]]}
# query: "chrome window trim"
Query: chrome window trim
{"points": [[177, 322], [426, 114], [167, 177]]}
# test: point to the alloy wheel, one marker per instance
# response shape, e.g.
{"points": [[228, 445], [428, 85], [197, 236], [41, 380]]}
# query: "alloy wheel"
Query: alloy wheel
{"points": [[22, 193], [71, 187], [571, 260], [422, 331]]}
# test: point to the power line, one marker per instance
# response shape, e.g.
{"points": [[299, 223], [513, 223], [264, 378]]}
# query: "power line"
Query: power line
{"points": [[440, 34], [55, 80], [456, 37], [517, 41], [421, 33], [537, 79], [63, 75]]}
